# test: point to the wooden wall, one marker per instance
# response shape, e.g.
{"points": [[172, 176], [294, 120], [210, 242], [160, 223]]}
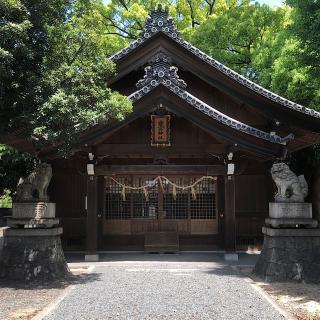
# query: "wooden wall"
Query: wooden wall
{"points": [[68, 187], [68, 191], [251, 205]]}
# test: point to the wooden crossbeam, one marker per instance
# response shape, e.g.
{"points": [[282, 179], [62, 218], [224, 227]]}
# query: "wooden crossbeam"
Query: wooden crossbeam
{"points": [[199, 150]]}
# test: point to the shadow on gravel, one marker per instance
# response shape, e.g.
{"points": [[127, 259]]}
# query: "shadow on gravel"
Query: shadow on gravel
{"points": [[63, 283], [224, 271], [149, 257], [245, 259]]}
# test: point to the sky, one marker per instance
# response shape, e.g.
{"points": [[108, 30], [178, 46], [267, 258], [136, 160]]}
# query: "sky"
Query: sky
{"points": [[271, 2]]}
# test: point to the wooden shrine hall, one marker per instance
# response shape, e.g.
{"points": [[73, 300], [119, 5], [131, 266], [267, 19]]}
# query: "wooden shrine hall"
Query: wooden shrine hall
{"points": [[188, 169]]}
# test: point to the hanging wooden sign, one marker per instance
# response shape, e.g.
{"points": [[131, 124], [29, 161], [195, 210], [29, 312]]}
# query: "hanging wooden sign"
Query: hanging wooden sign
{"points": [[160, 130]]}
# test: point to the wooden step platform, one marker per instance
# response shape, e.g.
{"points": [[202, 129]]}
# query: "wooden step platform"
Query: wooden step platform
{"points": [[161, 242]]}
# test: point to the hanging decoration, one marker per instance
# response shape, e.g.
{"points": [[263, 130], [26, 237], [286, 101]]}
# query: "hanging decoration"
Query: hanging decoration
{"points": [[193, 193], [160, 130], [163, 180], [174, 192], [123, 193]]}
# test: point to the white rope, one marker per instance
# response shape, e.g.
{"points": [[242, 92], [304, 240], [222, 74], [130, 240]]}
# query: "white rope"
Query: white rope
{"points": [[161, 179]]}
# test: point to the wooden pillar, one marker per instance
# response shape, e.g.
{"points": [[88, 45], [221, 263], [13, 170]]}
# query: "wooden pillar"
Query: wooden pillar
{"points": [[101, 209], [230, 218], [92, 219]]}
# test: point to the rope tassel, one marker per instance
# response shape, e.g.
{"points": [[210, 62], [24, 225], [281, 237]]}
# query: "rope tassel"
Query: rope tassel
{"points": [[193, 193], [174, 192], [123, 192], [145, 191]]}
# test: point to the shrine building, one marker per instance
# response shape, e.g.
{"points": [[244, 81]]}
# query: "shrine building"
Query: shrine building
{"points": [[190, 163]]}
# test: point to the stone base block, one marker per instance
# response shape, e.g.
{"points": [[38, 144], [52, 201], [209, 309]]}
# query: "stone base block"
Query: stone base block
{"points": [[32, 223], [33, 255], [33, 210], [289, 255], [285, 210], [291, 223]]}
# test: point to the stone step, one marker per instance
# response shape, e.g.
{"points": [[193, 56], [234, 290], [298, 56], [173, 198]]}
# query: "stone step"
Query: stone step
{"points": [[161, 242]]}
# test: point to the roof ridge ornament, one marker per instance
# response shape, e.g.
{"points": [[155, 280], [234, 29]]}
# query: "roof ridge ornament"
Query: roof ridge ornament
{"points": [[161, 71], [159, 20]]}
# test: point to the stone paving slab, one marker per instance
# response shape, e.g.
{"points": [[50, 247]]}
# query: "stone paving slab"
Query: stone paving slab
{"points": [[164, 290]]}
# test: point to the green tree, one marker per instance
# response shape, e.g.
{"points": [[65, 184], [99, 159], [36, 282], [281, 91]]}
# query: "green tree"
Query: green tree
{"points": [[126, 18], [54, 70], [305, 28], [6, 199], [13, 165], [236, 32], [54, 58]]}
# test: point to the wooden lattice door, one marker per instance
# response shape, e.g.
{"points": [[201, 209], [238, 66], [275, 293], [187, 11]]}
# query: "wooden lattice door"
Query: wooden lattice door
{"points": [[160, 207]]}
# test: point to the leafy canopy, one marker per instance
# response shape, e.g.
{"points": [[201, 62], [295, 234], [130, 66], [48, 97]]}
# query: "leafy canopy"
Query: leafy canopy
{"points": [[55, 68]]}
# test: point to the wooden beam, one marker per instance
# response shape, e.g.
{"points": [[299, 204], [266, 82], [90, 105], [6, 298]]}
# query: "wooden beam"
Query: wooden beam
{"points": [[198, 150], [230, 215], [92, 219], [160, 169]]}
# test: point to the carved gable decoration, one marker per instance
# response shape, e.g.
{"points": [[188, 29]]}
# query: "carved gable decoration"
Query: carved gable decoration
{"points": [[160, 130], [160, 71]]}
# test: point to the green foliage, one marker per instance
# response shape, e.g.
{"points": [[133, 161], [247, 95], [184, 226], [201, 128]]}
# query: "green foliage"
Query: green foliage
{"points": [[126, 18], [55, 68], [237, 32], [13, 165], [6, 199], [306, 26], [23, 44]]}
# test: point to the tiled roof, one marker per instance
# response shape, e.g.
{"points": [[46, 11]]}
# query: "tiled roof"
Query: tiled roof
{"points": [[160, 71], [159, 21]]}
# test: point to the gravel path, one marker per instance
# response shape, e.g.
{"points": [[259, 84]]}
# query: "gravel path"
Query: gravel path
{"points": [[164, 290]]}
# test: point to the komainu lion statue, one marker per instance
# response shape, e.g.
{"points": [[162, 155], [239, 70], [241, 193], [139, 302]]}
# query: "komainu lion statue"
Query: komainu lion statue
{"points": [[35, 185], [290, 187]]}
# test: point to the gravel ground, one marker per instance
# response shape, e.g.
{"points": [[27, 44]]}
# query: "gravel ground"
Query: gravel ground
{"points": [[300, 300], [24, 301], [164, 290], [18, 302]]}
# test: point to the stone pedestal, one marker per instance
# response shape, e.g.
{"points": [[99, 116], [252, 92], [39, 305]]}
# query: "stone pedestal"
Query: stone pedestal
{"points": [[33, 255], [289, 255], [33, 215], [290, 215]]}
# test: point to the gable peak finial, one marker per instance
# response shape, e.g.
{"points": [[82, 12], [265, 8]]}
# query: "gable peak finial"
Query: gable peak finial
{"points": [[159, 8], [159, 21]]}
